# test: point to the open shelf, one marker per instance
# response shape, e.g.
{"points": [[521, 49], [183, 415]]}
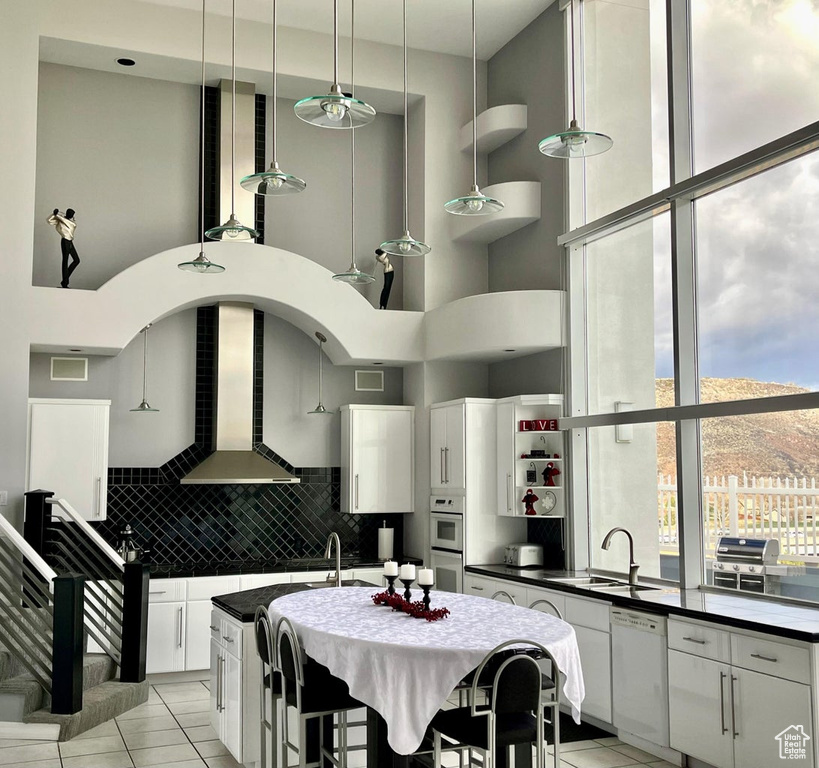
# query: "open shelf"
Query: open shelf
{"points": [[496, 126], [521, 201], [539, 459]]}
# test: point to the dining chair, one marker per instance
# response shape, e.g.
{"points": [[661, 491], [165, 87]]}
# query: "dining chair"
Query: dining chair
{"points": [[270, 688], [549, 689], [512, 716], [314, 693], [504, 596]]}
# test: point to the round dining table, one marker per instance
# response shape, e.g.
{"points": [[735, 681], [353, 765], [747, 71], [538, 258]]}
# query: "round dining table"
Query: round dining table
{"points": [[405, 668]]}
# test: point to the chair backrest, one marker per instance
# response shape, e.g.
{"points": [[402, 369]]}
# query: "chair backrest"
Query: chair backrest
{"points": [[546, 606], [504, 597], [517, 686], [289, 659], [263, 632]]}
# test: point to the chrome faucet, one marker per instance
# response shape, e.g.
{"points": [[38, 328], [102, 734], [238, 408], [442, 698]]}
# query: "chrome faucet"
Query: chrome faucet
{"points": [[632, 566], [328, 553]]}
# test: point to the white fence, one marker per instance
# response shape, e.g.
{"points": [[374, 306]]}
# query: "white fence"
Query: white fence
{"points": [[756, 507]]}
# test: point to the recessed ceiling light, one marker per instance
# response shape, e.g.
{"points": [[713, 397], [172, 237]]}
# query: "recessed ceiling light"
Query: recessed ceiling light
{"points": [[126, 62], [75, 350]]}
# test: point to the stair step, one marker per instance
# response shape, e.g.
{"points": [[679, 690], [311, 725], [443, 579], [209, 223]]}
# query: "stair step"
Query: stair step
{"points": [[100, 703], [22, 694]]}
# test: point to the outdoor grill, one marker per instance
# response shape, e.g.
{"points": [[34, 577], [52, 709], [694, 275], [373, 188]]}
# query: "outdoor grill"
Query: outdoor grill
{"points": [[743, 563]]}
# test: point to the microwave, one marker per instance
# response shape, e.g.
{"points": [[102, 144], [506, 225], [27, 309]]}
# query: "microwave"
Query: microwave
{"points": [[447, 531]]}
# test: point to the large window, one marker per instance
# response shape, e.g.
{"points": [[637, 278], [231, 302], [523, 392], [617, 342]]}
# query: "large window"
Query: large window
{"points": [[697, 308]]}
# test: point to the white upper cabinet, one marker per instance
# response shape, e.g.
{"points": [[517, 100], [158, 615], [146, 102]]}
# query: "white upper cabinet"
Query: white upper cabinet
{"points": [[447, 462], [68, 452], [377, 459]]}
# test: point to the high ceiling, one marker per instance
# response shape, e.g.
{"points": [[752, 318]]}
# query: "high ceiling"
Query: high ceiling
{"points": [[432, 25]]}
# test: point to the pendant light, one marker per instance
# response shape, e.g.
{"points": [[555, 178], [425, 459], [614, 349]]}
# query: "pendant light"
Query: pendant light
{"points": [[405, 245], [475, 203], [202, 264], [232, 230], [320, 407], [353, 275], [143, 407], [274, 181], [574, 142], [337, 109]]}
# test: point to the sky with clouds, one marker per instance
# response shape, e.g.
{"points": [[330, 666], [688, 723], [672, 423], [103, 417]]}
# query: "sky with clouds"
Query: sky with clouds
{"points": [[755, 78]]}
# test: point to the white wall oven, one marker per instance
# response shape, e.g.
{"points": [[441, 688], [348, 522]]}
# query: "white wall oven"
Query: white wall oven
{"points": [[446, 539]]}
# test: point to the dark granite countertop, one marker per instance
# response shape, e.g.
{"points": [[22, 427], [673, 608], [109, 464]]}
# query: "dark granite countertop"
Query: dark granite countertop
{"points": [[239, 568], [799, 622], [242, 605]]}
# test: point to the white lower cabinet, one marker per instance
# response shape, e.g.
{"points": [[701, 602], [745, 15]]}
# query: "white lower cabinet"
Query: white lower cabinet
{"points": [[595, 660], [197, 616], [729, 716], [166, 637]]}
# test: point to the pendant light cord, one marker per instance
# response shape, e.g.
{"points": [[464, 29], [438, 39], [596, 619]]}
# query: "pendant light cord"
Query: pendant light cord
{"points": [[273, 138], [145, 365], [335, 41], [321, 377], [233, 119], [202, 140], [352, 133], [406, 121], [474, 102], [571, 30]]}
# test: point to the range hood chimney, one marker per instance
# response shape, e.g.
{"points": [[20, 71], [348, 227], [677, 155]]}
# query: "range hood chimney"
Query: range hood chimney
{"points": [[234, 461]]}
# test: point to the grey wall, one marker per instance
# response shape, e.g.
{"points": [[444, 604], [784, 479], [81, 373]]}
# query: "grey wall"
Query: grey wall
{"points": [[531, 375], [529, 70], [123, 152], [291, 390], [138, 439], [316, 223]]}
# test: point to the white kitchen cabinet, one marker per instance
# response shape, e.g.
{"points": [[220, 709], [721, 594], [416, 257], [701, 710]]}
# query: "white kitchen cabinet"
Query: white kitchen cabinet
{"points": [[483, 587], [166, 637], [377, 459], [197, 616], [68, 452], [447, 455], [595, 660], [232, 682], [727, 715]]}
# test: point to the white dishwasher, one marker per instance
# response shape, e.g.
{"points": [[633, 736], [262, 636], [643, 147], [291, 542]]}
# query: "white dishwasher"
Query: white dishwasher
{"points": [[639, 672]]}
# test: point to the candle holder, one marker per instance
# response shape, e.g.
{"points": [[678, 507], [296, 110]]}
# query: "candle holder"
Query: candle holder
{"points": [[426, 588], [407, 584], [391, 587]]}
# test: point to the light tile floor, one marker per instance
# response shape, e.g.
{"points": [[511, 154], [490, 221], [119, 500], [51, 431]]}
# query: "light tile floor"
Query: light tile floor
{"points": [[172, 729]]}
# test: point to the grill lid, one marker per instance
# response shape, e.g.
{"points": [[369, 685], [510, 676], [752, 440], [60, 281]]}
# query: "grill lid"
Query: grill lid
{"points": [[742, 550]]}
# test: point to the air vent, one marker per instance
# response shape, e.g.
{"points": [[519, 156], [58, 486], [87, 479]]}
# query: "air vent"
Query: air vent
{"points": [[369, 381], [69, 369]]}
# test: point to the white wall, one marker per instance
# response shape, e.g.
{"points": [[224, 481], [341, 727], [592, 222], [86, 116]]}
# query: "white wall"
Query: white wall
{"points": [[123, 152], [291, 390]]}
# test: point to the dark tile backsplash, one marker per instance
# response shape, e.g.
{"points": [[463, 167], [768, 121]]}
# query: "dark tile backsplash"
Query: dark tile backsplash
{"points": [[550, 532], [193, 529]]}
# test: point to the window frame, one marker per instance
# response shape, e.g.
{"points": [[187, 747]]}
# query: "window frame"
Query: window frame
{"points": [[679, 198]]}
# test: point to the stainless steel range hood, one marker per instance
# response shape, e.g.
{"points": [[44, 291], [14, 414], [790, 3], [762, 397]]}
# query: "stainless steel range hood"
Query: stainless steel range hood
{"points": [[234, 460]]}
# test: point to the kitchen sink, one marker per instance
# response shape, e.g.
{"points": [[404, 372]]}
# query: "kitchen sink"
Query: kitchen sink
{"points": [[344, 583], [620, 587], [593, 582]]}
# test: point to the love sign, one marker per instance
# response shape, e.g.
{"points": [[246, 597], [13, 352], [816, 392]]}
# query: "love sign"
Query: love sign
{"points": [[538, 425]]}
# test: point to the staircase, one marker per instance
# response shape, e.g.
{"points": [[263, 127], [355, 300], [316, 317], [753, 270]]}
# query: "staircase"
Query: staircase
{"points": [[62, 590]]}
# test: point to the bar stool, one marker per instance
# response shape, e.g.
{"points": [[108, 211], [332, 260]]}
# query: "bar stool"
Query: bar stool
{"points": [[314, 692], [550, 691], [270, 688]]}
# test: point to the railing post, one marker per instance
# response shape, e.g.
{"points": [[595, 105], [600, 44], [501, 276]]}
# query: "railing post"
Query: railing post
{"points": [[66, 672], [135, 581], [733, 507]]}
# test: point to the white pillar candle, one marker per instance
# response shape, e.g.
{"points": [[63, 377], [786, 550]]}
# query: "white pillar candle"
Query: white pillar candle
{"points": [[408, 572], [390, 568], [426, 577]]}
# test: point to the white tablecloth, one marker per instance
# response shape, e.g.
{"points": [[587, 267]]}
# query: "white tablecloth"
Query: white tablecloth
{"points": [[405, 668]]}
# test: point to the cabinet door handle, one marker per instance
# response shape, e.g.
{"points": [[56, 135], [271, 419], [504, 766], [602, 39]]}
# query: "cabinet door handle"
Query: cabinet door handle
{"points": [[98, 512], [764, 658], [219, 683], [446, 464], [479, 589], [215, 629], [356, 491], [508, 492], [179, 640], [227, 639], [443, 471], [697, 641], [722, 677], [157, 591], [733, 708]]}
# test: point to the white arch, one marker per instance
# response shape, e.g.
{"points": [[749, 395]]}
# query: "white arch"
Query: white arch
{"points": [[281, 282]]}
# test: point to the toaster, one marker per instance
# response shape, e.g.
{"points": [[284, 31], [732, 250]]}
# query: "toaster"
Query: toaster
{"points": [[523, 555]]}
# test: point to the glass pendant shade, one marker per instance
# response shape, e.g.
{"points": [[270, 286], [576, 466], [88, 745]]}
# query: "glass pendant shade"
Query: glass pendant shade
{"points": [[232, 231], [405, 246], [201, 265], [143, 407], [273, 181], [335, 110], [575, 142], [473, 204], [354, 276], [320, 409]]}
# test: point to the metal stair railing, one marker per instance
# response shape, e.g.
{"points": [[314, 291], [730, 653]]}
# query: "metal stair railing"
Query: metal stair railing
{"points": [[26, 605]]}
